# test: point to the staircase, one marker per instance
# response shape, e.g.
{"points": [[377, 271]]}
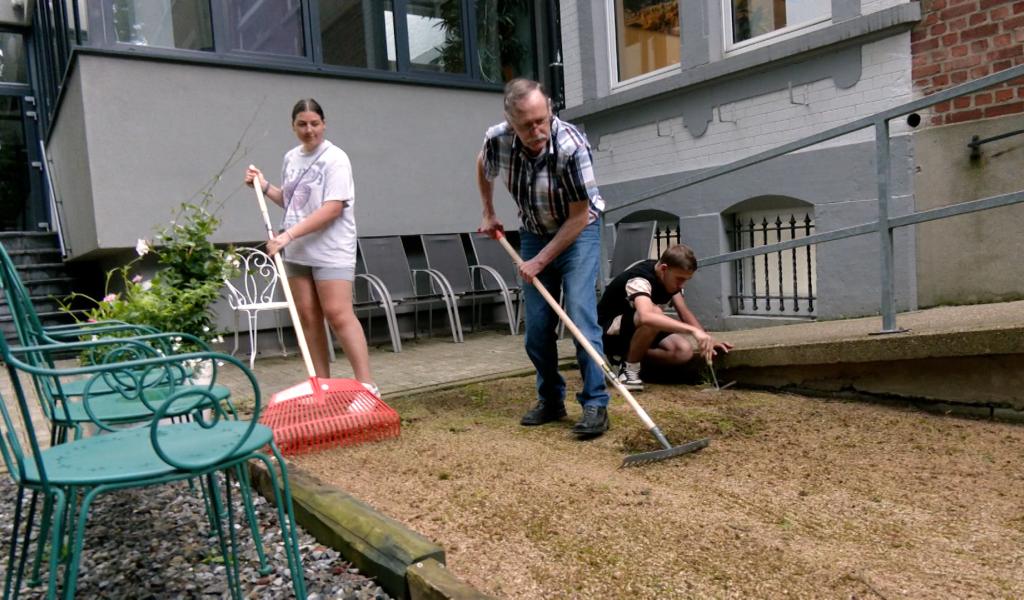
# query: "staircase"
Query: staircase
{"points": [[37, 257]]}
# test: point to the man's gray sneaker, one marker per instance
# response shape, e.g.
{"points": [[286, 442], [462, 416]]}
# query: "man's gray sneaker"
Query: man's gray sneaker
{"points": [[593, 423], [543, 413]]}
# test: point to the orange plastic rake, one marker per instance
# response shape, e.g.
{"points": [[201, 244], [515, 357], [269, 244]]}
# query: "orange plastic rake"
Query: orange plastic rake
{"points": [[318, 414]]}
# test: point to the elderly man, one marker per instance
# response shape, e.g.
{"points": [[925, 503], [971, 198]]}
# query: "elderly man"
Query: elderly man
{"points": [[546, 166]]}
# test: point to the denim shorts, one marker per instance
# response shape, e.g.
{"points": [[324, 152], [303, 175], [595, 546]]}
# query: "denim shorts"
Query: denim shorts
{"points": [[320, 273]]}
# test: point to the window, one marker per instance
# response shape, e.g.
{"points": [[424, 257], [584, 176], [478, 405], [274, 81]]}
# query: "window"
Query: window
{"points": [[435, 29], [13, 63], [750, 19], [505, 40], [357, 33], [248, 22], [646, 36], [79, 8], [166, 23], [428, 40]]}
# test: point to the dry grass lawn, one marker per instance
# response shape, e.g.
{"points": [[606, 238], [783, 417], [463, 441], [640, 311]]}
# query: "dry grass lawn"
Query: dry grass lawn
{"points": [[795, 497]]}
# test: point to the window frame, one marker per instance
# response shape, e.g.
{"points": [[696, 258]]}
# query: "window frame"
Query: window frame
{"points": [[730, 47], [617, 85], [312, 58]]}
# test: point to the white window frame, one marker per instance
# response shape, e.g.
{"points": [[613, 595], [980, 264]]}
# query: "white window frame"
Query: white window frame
{"points": [[613, 58], [765, 38]]}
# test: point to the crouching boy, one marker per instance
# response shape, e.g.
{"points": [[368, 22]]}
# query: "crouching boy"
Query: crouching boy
{"points": [[636, 329]]}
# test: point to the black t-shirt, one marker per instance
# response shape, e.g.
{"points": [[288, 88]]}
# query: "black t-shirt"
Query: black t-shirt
{"points": [[615, 300]]}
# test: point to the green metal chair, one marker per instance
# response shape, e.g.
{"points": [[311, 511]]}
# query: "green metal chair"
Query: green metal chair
{"points": [[71, 475], [134, 399], [115, 399]]}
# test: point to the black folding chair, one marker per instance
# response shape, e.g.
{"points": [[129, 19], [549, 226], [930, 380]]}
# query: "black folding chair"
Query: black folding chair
{"points": [[445, 254], [632, 245], [489, 253], [387, 266]]}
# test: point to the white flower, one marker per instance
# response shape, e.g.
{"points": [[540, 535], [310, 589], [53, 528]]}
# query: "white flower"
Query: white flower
{"points": [[141, 247], [147, 284], [219, 339], [205, 329]]}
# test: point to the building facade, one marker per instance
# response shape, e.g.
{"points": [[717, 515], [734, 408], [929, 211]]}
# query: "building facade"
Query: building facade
{"points": [[119, 110], [666, 90], [144, 103]]}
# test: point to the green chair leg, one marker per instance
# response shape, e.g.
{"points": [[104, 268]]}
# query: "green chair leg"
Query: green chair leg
{"points": [[245, 486], [44, 528], [286, 518]]}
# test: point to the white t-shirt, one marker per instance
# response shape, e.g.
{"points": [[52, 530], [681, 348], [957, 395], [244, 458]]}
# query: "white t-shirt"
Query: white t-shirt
{"points": [[309, 180]]}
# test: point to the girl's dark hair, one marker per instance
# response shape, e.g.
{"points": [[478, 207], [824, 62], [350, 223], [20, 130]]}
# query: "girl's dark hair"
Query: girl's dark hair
{"points": [[307, 104]]}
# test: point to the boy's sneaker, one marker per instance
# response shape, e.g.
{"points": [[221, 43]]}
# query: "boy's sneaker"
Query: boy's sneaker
{"points": [[630, 379]]}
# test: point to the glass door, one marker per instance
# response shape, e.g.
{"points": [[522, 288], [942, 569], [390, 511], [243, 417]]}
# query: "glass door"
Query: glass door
{"points": [[21, 184]]}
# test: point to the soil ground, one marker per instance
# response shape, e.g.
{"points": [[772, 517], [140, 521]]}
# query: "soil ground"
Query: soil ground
{"points": [[795, 497]]}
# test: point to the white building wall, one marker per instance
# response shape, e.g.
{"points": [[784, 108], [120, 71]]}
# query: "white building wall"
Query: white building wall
{"points": [[764, 122], [869, 6], [572, 73]]}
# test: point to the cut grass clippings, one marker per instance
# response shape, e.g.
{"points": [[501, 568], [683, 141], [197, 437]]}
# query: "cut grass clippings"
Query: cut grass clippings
{"points": [[795, 497]]}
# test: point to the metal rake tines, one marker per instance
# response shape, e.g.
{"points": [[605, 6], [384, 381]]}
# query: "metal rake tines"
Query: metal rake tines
{"points": [[645, 458]]}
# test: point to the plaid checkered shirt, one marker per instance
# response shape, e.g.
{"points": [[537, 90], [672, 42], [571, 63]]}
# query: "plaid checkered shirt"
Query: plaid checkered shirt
{"points": [[543, 186]]}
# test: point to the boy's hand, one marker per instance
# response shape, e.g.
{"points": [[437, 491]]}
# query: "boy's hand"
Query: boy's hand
{"points": [[722, 347], [705, 345]]}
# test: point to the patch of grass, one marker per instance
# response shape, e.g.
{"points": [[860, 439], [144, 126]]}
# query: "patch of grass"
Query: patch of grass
{"points": [[689, 424]]}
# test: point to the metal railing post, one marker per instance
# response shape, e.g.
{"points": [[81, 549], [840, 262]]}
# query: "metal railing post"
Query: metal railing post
{"points": [[885, 247]]}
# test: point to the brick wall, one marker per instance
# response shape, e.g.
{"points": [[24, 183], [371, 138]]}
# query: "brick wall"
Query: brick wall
{"points": [[962, 40]]}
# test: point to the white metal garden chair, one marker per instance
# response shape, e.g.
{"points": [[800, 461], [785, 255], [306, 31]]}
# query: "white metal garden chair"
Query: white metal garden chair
{"points": [[255, 291]]}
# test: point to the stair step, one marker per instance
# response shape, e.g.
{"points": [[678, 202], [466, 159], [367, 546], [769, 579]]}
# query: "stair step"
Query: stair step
{"points": [[24, 240], [34, 256]]}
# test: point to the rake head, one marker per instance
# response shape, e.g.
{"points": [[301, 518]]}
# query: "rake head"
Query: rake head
{"points": [[327, 413], [669, 451], [644, 458]]}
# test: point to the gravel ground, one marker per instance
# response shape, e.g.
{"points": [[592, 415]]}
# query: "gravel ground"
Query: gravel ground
{"points": [[151, 543]]}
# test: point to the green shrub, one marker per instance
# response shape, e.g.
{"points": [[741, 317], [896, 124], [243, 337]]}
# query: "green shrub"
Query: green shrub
{"points": [[181, 293]]}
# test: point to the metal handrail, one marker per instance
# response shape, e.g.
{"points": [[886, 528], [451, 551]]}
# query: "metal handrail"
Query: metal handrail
{"points": [[885, 224], [55, 213]]}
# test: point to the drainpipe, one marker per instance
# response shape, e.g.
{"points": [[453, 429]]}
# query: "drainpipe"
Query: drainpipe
{"points": [[554, 44]]}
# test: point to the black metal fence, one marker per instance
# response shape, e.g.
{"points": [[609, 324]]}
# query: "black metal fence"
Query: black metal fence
{"points": [[665, 236], [775, 283]]}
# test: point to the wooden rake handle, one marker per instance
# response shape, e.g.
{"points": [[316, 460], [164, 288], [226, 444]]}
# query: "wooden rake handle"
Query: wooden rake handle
{"points": [[283, 276], [576, 333]]}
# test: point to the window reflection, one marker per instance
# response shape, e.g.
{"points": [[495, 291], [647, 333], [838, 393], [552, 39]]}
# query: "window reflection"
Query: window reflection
{"points": [[505, 40], [358, 33], [70, 6], [435, 35], [268, 26], [753, 18], [165, 23], [14, 183], [13, 66], [647, 36]]}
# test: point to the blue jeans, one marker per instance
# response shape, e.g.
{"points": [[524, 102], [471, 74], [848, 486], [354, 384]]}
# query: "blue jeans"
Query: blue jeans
{"points": [[575, 269]]}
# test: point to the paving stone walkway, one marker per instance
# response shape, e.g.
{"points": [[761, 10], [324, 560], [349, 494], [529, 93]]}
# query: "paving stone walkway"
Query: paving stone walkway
{"points": [[423, 364]]}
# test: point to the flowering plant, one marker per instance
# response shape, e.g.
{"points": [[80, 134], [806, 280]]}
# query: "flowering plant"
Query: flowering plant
{"points": [[181, 293]]}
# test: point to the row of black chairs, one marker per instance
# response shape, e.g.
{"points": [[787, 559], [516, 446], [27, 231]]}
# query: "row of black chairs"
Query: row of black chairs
{"points": [[459, 267], [387, 281]]}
